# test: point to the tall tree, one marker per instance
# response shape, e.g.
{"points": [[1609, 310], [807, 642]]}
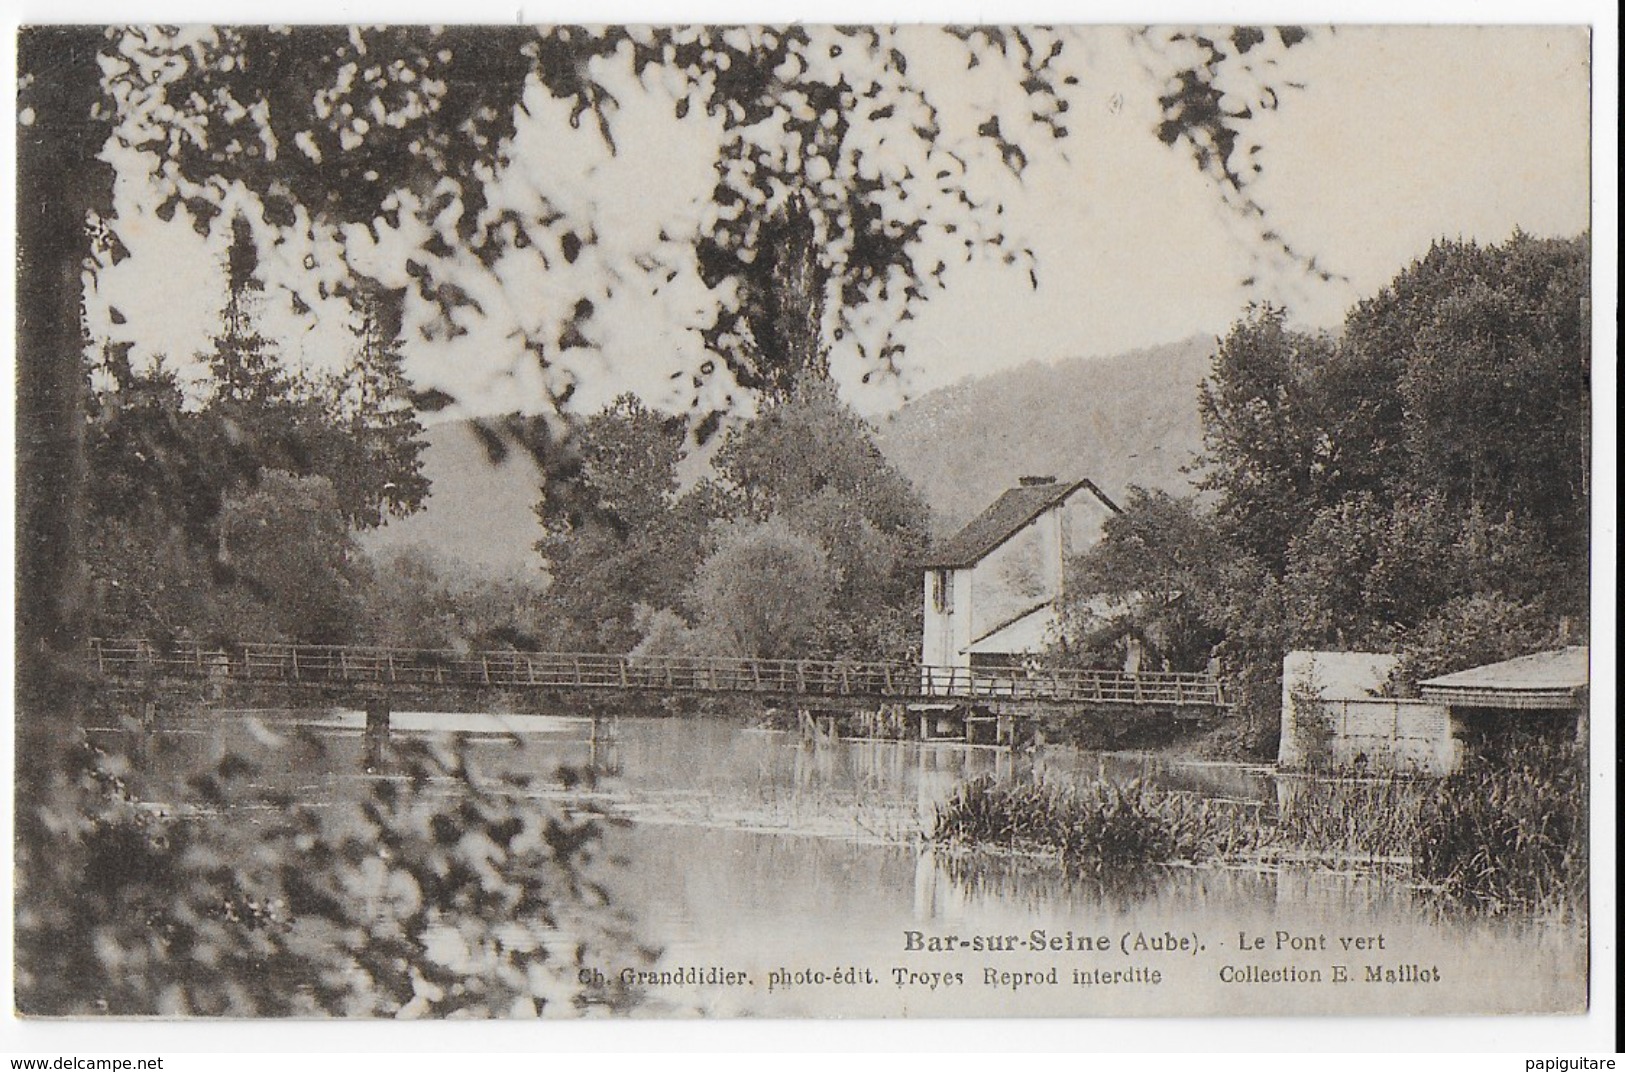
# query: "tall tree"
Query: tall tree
{"points": [[1433, 459], [291, 562], [357, 429], [63, 122], [617, 535], [247, 371], [1497, 381], [372, 403], [1262, 425], [159, 484], [347, 132], [812, 462], [1157, 575]]}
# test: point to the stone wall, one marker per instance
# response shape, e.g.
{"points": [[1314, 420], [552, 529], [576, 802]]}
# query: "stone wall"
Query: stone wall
{"points": [[1331, 713], [1388, 734]]}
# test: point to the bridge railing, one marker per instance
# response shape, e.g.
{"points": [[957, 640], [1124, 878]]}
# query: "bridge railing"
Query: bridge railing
{"points": [[318, 665], [1069, 685]]}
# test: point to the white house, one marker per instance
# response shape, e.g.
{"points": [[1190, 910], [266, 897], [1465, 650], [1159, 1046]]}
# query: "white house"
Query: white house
{"points": [[993, 591]]}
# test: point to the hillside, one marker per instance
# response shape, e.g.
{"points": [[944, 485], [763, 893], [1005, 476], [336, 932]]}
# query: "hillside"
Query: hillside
{"points": [[477, 512], [1129, 419]]}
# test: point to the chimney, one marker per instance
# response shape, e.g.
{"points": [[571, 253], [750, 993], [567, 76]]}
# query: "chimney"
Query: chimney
{"points": [[1036, 481]]}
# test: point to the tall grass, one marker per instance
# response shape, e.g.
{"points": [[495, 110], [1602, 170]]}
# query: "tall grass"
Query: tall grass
{"points": [[1371, 819], [1097, 825], [1508, 832]]}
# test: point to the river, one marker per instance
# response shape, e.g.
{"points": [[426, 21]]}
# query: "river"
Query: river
{"points": [[798, 867]]}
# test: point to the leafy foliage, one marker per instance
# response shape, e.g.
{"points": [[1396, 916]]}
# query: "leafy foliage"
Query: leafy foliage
{"points": [[344, 134], [1365, 573], [618, 535], [372, 402], [356, 428], [1376, 491], [1429, 465], [1497, 384], [1469, 631], [333, 136], [443, 892], [623, 542], [1466, 381], [286, 543], [1265, 449], [765, 589], [415, 599], [1216, 84], [1155, 576], [175, 476], [330, 136], [410, 604], [408, 130], [1165, 574], [812, 463]]}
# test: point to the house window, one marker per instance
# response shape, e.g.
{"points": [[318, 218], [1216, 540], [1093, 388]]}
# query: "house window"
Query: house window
{"points": [[942, 590]]}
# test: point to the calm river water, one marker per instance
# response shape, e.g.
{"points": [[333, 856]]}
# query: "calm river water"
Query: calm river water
{"points": [[799, 865]]}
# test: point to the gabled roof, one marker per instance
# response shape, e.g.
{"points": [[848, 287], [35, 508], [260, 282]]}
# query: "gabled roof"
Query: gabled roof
{"points": [[1009, 514], [1546, 679]]}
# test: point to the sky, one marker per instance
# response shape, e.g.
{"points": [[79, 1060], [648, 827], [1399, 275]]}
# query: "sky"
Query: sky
{"points": [[1397, 137], [1400, 136]]}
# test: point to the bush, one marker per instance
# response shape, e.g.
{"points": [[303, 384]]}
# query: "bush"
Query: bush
{"points": [[1471, 631]]}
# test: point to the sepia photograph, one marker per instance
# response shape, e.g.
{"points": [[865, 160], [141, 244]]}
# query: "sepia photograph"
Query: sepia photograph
{"points": [[803, 520]]}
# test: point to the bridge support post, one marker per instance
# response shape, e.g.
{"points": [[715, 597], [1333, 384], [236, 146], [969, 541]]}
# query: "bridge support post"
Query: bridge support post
{"points": [[377, 732], [601, 743]]}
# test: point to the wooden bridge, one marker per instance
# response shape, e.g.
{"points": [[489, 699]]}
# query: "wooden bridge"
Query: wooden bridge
{"points": [[800, 682]]}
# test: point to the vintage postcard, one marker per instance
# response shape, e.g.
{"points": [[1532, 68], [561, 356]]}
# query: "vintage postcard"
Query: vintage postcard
{"points": [[803, 521]]}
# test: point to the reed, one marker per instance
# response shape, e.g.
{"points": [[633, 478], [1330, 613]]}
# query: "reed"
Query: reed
{"points": [[1096, 825], [1372, 818], [1508, 832]]}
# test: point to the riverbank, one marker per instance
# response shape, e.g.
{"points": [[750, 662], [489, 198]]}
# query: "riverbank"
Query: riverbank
{"points": [[1506, 835]]}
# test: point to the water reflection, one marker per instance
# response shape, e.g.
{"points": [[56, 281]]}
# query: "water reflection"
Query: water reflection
{"points": [[681, 770], [760, 850]]}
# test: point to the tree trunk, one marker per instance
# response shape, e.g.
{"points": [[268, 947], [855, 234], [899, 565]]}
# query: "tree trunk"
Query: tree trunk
{"points": [[59, 183]]}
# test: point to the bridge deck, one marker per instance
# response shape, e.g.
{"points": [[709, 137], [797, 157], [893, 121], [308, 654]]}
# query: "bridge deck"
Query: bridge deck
{"points": [[373, 667]]}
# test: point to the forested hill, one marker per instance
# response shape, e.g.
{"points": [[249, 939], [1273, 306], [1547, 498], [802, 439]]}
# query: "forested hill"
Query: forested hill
{"points": [[1128, 419], [478, 513]]}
